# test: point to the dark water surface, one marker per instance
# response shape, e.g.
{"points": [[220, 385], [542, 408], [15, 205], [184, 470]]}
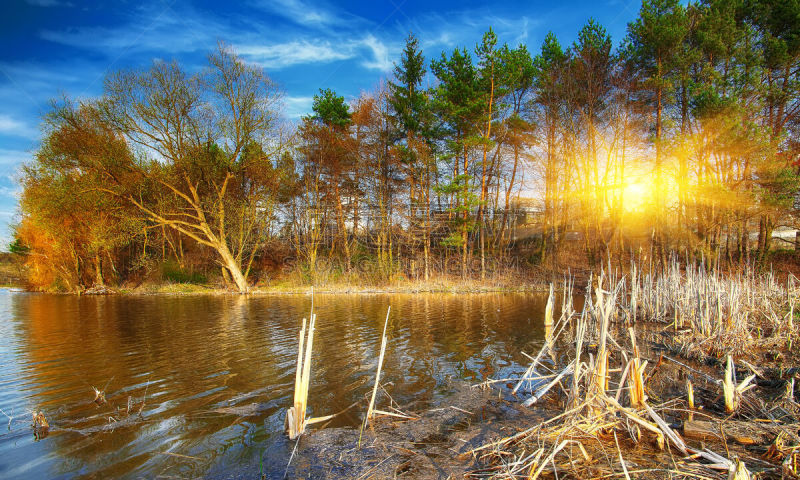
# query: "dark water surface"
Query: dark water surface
{"points": [[218, 372]]}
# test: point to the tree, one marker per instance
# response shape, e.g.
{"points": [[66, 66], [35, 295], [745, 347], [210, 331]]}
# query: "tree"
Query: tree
{"points": [[778, 24], [460, 104], [192, 134], [411, 112], [590, 74], [75, 228], [551, 72], [655, 39], [331, 147], [517, 126]]}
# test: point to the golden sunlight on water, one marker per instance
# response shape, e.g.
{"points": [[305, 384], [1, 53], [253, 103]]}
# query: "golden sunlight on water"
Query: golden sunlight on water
{"points": [[216, 372]]}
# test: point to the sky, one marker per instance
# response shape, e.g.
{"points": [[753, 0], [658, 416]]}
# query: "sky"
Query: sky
{"points": [[52, 48]]}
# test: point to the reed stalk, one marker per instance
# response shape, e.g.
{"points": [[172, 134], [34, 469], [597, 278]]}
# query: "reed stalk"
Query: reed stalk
{"points": [[731, 391], [296, 416], [721, 314], [371, 407], [636, 375]]}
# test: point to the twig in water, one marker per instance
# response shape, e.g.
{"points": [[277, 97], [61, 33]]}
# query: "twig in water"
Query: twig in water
{"points": [[286, 472], [10, 417], [532, 367], [144, 398], [179, 455]]}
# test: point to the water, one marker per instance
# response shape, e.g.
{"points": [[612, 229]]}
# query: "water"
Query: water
{"points": [[218, 372]]}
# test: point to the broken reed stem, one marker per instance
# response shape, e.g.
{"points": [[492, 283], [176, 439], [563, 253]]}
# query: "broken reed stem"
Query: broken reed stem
{"points": [[548, 316], [304, 382], [580, 334], [299, 373], [728, 388], [635, 378], [296, 416], [604, 306], [731, 391], [531, 368], [370, 409]]}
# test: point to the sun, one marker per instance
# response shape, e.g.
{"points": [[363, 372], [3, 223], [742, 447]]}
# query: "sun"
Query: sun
{"points": [[636, 195]]}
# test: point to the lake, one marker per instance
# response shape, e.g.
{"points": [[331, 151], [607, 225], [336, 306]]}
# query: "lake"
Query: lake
{"points": [[217, 372]]}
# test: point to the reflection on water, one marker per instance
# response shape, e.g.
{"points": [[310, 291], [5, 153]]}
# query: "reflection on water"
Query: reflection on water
{"points": [[218, 372]]}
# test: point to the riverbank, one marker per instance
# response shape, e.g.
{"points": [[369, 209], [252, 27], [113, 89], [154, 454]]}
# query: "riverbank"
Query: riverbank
{"points": [[505, 284], [676, 375], [485, 431]]}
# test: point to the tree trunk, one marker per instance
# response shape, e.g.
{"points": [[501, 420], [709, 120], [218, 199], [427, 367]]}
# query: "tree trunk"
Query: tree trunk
{"points": [[98, 269], [233, 267]]}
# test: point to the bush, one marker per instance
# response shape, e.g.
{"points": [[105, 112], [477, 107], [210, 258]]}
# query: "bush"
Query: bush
{"points": [[173, 273]]}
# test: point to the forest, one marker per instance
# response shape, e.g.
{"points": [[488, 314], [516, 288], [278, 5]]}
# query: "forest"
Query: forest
{"points": [[485, 164]]}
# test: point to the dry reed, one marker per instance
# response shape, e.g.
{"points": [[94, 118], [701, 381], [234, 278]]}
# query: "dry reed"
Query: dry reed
{"points": [[721, 311], [296, 421], [371, 407]]}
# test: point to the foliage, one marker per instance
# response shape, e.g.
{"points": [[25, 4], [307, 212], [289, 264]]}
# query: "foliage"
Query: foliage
{"points": [[682, 139]]}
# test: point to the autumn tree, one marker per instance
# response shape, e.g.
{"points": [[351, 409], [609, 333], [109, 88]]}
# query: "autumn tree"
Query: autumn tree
{"points": [[189, 153], [73, 228]]}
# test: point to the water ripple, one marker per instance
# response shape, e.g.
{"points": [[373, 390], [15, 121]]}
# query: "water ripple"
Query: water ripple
{"points": [[213, 375]]}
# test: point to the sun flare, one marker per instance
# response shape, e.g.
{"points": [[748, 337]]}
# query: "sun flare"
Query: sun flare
{"points": [[636, 195]]}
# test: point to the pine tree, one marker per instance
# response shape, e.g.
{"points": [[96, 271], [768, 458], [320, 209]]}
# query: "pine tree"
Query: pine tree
{"points": [[656, 38], [590, 73], [459, 103], [550, 67], [410, 105]]}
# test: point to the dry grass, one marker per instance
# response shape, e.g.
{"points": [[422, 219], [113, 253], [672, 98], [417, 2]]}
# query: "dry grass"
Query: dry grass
{"points": [[606, 410]]}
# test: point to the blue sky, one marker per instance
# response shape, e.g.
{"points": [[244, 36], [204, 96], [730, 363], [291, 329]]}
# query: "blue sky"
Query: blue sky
{"points": [[56, 47]]}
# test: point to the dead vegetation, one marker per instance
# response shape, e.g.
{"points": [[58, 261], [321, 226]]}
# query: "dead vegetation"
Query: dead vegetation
{"points": [[615, 417], [41, 428], [605, 410]]}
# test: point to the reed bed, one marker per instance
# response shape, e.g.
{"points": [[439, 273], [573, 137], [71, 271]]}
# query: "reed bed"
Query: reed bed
{"points": [[718, 313], [610, 421]]}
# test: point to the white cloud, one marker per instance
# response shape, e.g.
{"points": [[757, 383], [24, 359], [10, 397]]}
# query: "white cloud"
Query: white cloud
{"points": [[380, 54], [296, 107], [10, 126], [152, 28], [283, 55], [304, 13], [47, 3], [523, 36], [464, 28], [374, 53], [13, 158], [11, 192]]}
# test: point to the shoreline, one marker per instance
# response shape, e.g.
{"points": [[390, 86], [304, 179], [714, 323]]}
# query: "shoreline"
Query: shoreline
{"points": [[167, 291], [179, 289]]}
